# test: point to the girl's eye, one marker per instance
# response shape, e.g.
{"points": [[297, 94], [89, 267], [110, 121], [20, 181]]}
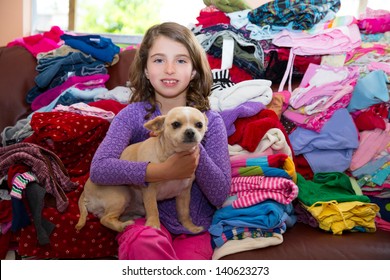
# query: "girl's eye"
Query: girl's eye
{"points": [[182, 61], [158, 60]]}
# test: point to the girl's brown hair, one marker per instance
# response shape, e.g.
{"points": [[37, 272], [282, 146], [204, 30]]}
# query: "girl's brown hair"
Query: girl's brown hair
{"points": [[200, 86]]}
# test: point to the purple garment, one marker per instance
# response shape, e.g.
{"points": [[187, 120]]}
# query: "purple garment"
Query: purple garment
{"points": [[332, 148], [213, 175], [246, 109]]}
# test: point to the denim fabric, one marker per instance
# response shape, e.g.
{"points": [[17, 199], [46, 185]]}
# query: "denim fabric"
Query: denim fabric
{"points": [[49, 67], [96, 67]]}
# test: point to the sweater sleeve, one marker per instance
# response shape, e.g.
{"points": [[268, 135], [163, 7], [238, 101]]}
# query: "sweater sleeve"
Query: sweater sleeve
{"points": [[213, 175], [106, 167]]}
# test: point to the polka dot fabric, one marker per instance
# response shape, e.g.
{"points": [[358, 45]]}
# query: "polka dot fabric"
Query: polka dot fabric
{"points": [[74, 138], [93, 241]]}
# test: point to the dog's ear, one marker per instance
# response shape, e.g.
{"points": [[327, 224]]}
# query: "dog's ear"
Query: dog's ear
{"points": [[156, 125]]}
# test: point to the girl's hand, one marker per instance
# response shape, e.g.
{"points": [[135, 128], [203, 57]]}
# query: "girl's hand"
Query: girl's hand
{"points": [[178, 166], [182, 165]]}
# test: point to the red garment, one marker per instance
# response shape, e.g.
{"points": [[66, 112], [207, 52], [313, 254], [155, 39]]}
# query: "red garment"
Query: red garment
{"points": [[108, 105], [209, 18], [250, 130], [5, 211], [301, 62], [93, 241], [5, 240], [237, 74], [73, 137], [302, 167], [13, 170], [369, 121], [373, 117]]}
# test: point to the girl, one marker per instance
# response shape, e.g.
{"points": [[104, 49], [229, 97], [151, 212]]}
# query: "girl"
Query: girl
{"points": [[170, 69]]}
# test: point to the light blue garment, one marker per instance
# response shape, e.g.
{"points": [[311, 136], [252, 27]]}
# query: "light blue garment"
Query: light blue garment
{"points": [[329, 160], [370, 167], [369, 90], [266, 215], [331, 149], [381, 176]]}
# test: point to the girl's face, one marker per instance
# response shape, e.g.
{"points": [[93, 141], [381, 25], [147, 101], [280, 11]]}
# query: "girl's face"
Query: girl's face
{"points": [[169, 68]]}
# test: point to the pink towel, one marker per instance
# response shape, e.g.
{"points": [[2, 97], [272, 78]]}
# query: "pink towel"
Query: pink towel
{"points": [[255, 189]]}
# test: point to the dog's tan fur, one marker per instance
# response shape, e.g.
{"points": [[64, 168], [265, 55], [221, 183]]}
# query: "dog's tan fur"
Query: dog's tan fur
{"points": [[181, 129]]}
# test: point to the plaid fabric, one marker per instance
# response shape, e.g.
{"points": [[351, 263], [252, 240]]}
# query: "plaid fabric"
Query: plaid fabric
{"points": [[302, 14]]}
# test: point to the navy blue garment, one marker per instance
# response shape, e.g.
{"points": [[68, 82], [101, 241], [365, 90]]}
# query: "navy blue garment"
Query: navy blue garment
{"points": [[99, 47]]}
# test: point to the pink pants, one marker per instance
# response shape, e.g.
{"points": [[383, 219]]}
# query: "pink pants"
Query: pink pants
{"points": [[139, 242]]}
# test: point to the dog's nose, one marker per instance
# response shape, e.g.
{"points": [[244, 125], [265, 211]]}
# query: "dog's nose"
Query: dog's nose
{"points": [[189, 133]]}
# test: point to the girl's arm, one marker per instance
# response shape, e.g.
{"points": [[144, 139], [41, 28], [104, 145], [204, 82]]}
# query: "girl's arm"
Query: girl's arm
{"points": [[125, 129], [106, 167], [213, 174]]}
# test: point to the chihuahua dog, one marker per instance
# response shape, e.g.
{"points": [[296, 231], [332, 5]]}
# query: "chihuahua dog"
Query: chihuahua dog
{"points": [[181, 129]]}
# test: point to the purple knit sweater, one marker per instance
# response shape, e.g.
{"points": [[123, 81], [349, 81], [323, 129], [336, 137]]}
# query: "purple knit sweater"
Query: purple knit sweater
{"points": [[213, 175]]}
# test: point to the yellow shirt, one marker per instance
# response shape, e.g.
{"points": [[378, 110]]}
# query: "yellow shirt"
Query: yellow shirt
{"points": [[337, 217]]}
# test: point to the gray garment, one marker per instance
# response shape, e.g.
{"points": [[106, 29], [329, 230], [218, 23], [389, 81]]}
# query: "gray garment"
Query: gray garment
{"points": [[208, 39], [17, 133]]}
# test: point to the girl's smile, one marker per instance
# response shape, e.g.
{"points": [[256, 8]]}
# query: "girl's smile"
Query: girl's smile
{"points": [[169, 69]]}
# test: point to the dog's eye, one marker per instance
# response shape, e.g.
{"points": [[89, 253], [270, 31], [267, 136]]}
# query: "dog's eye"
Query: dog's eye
{"points": [[199, 125], [176, 125]]}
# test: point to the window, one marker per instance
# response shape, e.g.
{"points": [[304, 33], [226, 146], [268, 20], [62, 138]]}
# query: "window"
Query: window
{"points": [[126, 20], [47, 13]]}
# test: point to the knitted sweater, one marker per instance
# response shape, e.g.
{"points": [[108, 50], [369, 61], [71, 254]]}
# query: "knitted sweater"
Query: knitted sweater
{"points": [[213, 174], [44, 164]]}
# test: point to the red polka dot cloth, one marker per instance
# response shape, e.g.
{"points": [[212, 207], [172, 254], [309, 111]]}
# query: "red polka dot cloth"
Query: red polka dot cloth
{"points": [[74, 138]]}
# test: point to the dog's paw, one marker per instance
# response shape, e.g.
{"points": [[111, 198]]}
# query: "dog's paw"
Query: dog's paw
{"points": [[193, 228], [154, 223], [125, 224], [79, 226]]}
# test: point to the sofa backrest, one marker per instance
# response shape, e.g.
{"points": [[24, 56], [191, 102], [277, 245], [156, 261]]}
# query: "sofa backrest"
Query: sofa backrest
{"points": [[17, 73]]}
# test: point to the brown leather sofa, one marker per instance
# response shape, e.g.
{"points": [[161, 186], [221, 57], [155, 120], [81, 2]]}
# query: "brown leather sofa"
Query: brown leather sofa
{"points": [[301, 242]]}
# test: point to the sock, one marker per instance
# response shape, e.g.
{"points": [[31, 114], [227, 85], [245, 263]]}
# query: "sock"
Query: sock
{"points": [[35, 196], [20, 218]]}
